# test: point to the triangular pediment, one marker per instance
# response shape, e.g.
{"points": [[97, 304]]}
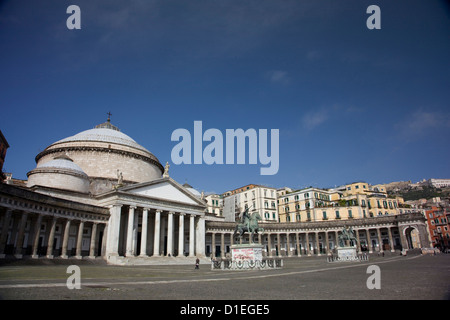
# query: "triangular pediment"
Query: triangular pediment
{"points": [[164, 189]]}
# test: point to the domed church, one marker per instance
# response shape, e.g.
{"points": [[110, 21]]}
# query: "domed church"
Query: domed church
{"points": [[100, 193]]}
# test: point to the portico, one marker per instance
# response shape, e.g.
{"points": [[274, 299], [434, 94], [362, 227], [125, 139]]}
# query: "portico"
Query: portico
{"points": [[154, 219]]}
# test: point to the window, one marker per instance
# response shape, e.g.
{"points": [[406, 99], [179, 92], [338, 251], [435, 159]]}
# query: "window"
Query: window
{"points": [[324, 215], [350, 214], [296, 197], [298, 217], [337, 214], [286, 200]]}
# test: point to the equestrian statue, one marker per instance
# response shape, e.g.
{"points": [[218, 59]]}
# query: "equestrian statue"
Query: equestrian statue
{"points": [[347, 235], [248, 223]]}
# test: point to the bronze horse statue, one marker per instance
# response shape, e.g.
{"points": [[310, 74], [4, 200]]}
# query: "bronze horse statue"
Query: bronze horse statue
{"points": [[249, 224]]}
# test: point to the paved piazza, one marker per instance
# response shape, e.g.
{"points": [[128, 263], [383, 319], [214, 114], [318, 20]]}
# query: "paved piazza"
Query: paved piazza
{"points": [[421, 277]]}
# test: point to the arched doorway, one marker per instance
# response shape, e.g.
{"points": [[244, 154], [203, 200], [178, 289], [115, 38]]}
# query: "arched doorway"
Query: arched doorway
{"points": [[412, 238]]}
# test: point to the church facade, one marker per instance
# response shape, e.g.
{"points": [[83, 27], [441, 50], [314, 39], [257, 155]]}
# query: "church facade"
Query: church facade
{"points": [[99, 194]]}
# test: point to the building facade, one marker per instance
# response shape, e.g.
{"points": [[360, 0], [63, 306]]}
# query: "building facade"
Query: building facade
{"points": [[258, 199], [439, 226], [99, 194]]}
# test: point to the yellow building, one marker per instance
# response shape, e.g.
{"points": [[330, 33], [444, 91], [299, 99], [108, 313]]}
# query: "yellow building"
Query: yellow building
{"points": [[353, 201], [373, 200]]}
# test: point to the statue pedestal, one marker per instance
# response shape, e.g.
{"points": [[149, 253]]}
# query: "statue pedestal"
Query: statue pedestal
{"points": [[247, 257], [246, 252], [347, 253]]}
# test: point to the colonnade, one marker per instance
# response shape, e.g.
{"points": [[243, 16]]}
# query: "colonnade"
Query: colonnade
{"points": [[307, 242], [39, 234], [143, 232]]}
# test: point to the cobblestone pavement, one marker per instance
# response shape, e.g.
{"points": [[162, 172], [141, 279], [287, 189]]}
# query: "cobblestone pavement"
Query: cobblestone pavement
{"points": [[408, 278]]}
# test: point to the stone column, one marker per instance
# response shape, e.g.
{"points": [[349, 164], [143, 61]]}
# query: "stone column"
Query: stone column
{"points": [[181, 235], [269, 244], [327, 244], [157, 232], [36, 234], [170, 234], [144, 232], [130, 229], [299, 254], [358, 242], [191, 236], [51, 239], [213, 245], [308, 249], [222, 245], [112, 243], [200, 237], [4, 234], [92, 247], [288, 244], [380, 243], [317, 244], [369, 241], [79, 240], [23, 222], [65, 240], [391, 242]]}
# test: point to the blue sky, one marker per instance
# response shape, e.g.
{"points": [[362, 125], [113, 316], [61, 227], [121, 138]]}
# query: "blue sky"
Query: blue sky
{"points": [[351, 103]]}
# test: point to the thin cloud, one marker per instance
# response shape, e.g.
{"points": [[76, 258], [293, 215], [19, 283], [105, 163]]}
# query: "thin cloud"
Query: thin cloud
{"points": [[422, 122], [314, 119], [279, 76]]}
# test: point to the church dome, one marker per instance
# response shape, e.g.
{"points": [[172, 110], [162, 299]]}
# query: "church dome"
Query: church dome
{"points": [[63, 164], [103, 153], [102, 134], [59, 173]]}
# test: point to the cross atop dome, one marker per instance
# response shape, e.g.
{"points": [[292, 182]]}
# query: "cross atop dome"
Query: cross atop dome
{"points": [[107, 124]]}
